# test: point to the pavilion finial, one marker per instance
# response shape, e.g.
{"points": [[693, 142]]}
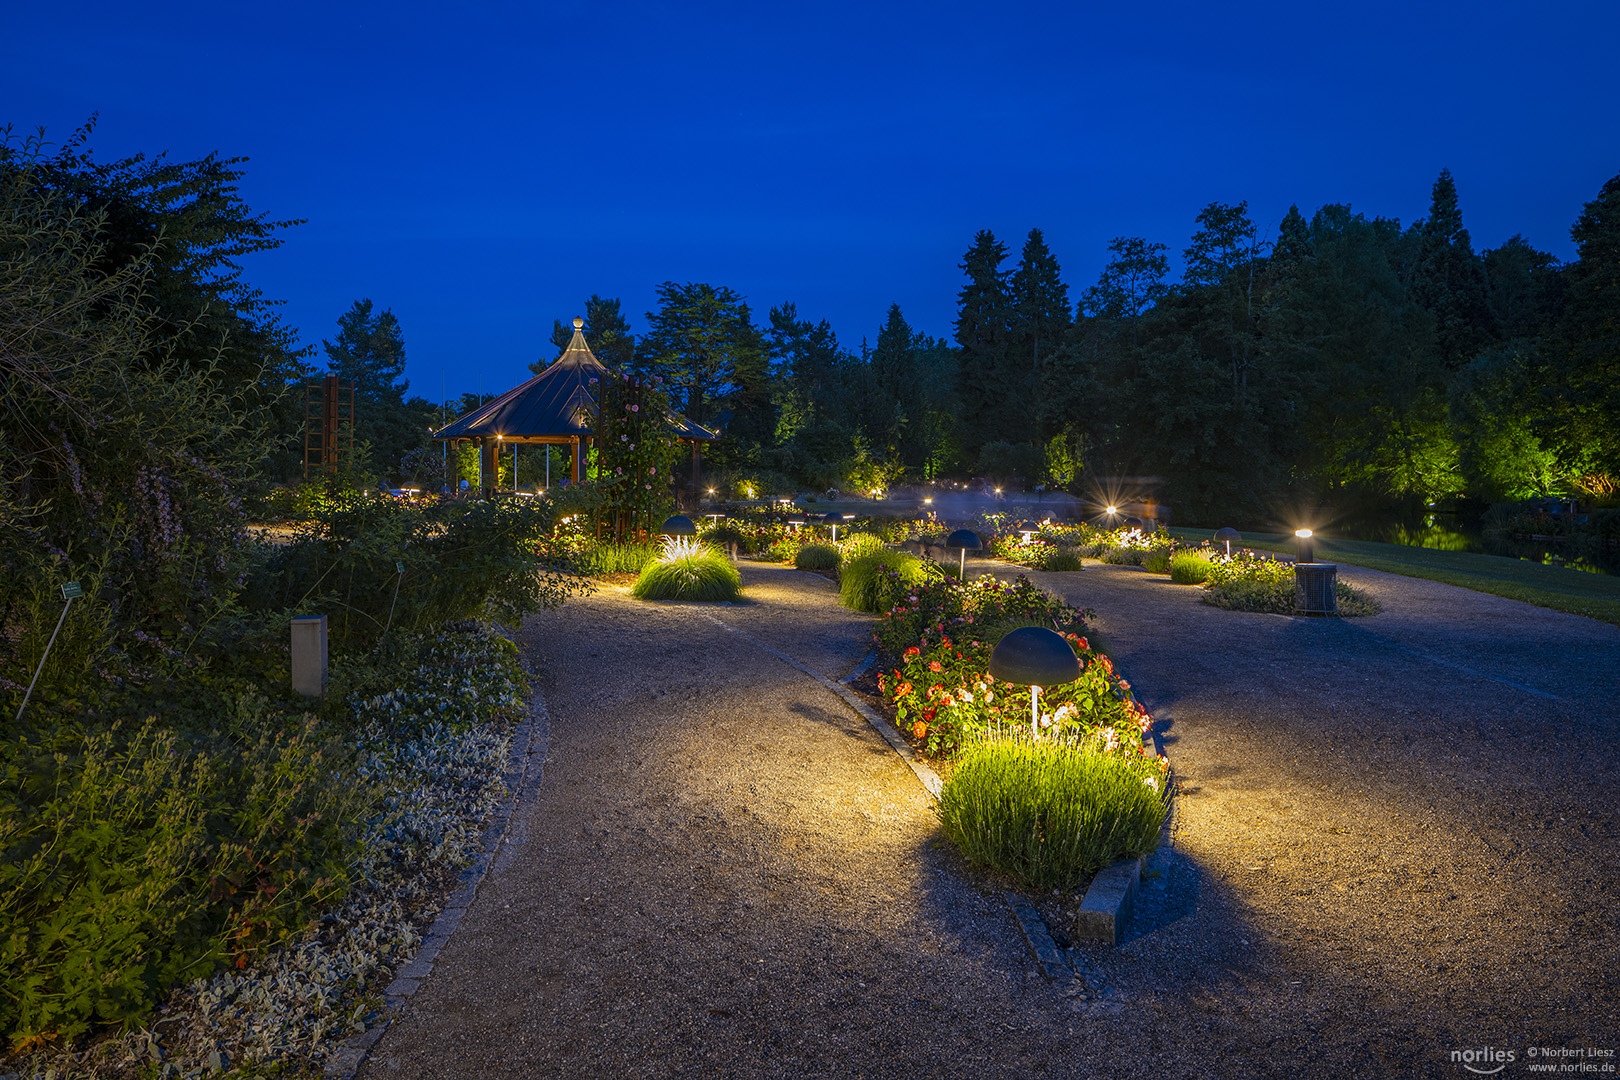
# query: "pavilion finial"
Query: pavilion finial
{"points": [[579, 323]]}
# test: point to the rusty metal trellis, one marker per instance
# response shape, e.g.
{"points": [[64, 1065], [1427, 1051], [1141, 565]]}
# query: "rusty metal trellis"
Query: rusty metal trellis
{"points": [[328, 422]]}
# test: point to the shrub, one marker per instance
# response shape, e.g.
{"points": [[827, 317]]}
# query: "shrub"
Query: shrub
{"points": [[1267, 586], [877, 581], [817, 557], [1051, 814], [142, 859], [1123, 556], [947, 604], [784, 550], [1187, 568], [688, 571], [1157, 561]]}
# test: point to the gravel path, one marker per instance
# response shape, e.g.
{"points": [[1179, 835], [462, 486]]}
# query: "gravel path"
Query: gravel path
{"points": [[1380, 858]]}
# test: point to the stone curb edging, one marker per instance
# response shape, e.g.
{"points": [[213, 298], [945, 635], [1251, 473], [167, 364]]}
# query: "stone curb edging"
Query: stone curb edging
{"points": [[525, 765]]}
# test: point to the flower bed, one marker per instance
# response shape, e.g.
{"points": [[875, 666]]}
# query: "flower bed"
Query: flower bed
{"points": [[1047, 806], [938, 686]]}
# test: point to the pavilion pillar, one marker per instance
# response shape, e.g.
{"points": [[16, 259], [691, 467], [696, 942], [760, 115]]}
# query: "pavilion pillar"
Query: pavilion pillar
{"points": [[488, 464], [579, 453]]}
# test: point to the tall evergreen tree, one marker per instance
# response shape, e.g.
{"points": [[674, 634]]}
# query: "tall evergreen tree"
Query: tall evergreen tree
{"points": [[703, 343], [898, 392], [1449, 279], [370, 351], [1039, 303], [982, 327], [1585, 367], [1293, 238]]}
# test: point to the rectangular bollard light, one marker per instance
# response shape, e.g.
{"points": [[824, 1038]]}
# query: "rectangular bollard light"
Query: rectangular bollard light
{"points": [[309, 655]]}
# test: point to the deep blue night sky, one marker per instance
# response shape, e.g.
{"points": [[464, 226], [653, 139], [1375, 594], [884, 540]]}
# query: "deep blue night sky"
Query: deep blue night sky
{"points": [[480, 169]]}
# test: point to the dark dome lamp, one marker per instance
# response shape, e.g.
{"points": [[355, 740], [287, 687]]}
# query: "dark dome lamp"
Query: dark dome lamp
{"points": [[679, 525], [1034, 656], [1228, 534], [962, 539]]}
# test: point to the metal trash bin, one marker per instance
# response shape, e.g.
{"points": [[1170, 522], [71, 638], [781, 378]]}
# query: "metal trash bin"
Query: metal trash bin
{"points": [[1316, 588]]}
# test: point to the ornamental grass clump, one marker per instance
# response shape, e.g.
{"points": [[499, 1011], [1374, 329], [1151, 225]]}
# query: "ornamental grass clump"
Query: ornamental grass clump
{"points": [[1051, 814], [1189, 568], [610, 558], [877, 581], [819, 557], [688, 571]]}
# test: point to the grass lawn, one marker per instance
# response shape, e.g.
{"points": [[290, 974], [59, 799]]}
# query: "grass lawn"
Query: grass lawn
{"points": [[1596, 596]]}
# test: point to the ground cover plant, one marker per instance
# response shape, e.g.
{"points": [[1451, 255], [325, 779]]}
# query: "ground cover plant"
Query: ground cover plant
{"points": [[393, 808], [1051, 813], [685, 570]]}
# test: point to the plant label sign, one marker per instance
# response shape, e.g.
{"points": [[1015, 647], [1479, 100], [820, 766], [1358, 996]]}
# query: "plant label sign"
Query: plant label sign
{"points": [[72, 591], [399, 566]]}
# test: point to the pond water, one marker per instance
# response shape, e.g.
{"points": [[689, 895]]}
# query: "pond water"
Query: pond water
{"points": [[1453, 532]]}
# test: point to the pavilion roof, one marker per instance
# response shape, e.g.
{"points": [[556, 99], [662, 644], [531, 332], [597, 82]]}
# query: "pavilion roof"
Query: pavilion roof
{"points": [[560, 401]]}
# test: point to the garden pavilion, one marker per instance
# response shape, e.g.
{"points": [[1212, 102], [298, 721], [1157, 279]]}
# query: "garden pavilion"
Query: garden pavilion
{"points": [[556, 407]]}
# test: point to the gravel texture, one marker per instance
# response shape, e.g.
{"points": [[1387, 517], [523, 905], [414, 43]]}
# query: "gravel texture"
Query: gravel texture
{"points": [[1382, 855]]}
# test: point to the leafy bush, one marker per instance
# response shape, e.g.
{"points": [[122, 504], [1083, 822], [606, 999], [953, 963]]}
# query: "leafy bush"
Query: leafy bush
{"points": [[877, 581], [785, 550], [1051, 814], [821, 557], [463, 559], [1123, 556], [688, 571], [144, 858], [1188, 568]]}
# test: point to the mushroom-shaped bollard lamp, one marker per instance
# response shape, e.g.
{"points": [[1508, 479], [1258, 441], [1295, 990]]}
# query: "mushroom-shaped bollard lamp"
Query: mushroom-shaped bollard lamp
{"points": [[1034, 657], [962, 539], [679, 525], [1228, 534]]}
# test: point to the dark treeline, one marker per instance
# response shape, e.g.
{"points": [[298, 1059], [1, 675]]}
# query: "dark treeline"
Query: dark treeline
{"points": [[1347, 359]]}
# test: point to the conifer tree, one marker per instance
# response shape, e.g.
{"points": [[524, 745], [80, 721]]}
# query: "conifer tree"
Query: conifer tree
{"points": [[982, 325], [1039, 303], [1449, 279]]}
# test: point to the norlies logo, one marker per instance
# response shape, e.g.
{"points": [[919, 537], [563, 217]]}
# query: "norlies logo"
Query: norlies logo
{"points": [[1485, 1061]]}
